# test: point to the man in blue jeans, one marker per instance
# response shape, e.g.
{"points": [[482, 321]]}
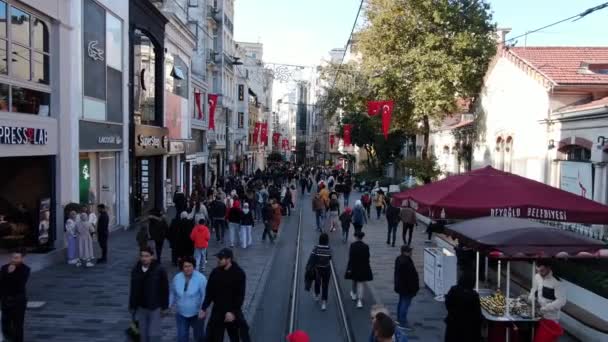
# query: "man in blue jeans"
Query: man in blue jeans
{"points": [[406, 284]]}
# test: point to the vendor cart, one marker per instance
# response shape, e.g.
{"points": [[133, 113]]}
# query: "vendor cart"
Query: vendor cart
{"points": [[506, 239]]}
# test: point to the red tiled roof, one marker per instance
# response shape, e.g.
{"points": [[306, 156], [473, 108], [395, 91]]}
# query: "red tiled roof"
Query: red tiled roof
{"points": [[603, 102], [562, 64]]}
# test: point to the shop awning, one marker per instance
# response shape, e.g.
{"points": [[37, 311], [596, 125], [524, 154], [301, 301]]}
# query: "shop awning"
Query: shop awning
{"points": [[510, 237], [490, 192]]}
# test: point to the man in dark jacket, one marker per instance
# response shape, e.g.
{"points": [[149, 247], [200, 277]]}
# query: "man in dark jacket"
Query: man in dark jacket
{"points": [[406, 284], [149, 294], [103, 232], [13, 280], [267, 213], [226, 290], [158, 229], [464, 319], [184, 245], [392, 218], [217, 212], [179, 201]]}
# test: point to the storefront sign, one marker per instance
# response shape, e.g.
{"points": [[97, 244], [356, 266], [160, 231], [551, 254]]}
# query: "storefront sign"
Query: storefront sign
{"points": [[100, 136], [577, 178], [176, 147], [23, 135], [151, 140]]}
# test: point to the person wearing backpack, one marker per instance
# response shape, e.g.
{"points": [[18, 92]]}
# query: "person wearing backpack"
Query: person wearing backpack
{"points": [[366, 199], [346, 219], [359, 218]]}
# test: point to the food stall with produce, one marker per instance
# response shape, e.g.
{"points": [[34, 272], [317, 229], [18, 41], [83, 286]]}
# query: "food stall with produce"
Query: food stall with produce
{"points": [[506, 239]]}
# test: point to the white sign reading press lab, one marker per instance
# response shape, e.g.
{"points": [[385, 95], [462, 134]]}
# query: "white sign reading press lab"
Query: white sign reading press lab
{"points": [[577, 178]]}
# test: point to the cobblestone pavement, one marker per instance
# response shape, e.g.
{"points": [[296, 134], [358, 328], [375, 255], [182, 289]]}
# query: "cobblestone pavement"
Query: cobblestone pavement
{"points": [[426, 314], [90, 304]]}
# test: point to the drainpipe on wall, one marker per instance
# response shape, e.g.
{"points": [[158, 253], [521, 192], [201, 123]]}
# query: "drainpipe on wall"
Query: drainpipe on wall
{"points": [[548, 160]]}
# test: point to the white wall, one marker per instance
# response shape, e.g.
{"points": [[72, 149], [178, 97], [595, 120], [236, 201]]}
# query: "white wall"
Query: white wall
{"points": [[514, 103]]}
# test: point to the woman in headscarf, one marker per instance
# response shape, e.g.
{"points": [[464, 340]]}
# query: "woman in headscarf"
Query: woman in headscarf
{"points": [[359, 217], [84, 228]]}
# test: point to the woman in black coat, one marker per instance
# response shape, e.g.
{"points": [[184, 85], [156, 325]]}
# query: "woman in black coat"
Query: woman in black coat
{"points": [[464, 319], [358, 269]]}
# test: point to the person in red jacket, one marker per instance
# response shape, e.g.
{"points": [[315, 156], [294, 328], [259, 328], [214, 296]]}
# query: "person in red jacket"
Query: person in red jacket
{"points": [[200, 236]]}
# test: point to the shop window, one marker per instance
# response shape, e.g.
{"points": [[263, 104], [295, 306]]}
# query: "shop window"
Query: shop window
{"points": [[144, 79], [577, 153], [23, 100], [114, 42], [241, 119], [508, 155]]}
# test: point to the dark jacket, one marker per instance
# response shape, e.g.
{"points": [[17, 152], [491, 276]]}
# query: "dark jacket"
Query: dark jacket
{"points": [[247, 219], [183, 244], [226, 290], [358, 267], [149, 290], [334, 205], [320, 257], [406, 277], [179, 200], [464, 319], [346, 219], [157, 226], [217, 209], [13, 285], [267, 212], [234, 215], [103, 223], [392, 215]]}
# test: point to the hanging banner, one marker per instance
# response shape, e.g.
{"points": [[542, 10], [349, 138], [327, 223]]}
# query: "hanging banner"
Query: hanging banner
{"points": [[256, 133], [264, 133], [275, 138], [197, 100], [332, 140], [386, 108], [348, 128], [212, 98], [285, 144]]}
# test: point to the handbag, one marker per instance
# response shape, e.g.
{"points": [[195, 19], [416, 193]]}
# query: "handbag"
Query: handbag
{"points": [[133, 330]]}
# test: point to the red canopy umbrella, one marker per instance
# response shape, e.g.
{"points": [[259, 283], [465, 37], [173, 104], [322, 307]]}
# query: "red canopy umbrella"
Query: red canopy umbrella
{"points": [[490, 192]]}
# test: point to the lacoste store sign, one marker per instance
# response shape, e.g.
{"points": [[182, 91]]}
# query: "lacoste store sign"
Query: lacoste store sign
{"points": [[23, 136]]}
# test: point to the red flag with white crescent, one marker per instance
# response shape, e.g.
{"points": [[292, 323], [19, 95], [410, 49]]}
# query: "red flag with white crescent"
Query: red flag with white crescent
{"points": [[275, 138], [348, 128], [332, 140], [264, 133], [387, 113], [212, 99], [256, 133], [197, 100]]}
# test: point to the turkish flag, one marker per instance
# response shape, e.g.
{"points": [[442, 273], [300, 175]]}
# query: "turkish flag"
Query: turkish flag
{"points": [[348, 129], [264, 133], [332, 140], [384, 107], [197, 99], [212, 99], [256, 132], [275, 138]]}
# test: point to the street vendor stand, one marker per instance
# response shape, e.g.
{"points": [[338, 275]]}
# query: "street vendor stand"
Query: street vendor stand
{"points": [[507, 239]]}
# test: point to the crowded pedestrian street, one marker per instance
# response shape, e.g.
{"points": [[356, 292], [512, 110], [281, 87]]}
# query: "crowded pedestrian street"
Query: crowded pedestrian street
{"points": [[303, 171]]}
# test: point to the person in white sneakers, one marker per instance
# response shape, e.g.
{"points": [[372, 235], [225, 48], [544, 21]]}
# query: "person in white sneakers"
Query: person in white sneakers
{"points": [[358, 269], [320, 262]]}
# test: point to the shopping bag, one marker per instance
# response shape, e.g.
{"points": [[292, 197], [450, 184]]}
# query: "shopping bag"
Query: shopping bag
{"points": [[133, 330]]}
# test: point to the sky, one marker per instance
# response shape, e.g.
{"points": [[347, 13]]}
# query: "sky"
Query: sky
{"points": [[303, 31]]}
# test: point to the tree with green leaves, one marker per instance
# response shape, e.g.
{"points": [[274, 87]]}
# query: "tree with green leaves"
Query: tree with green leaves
{"points": [[425, 55]]}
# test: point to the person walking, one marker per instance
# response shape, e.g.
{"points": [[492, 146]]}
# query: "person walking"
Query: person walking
{"points": [[319, 263], [392, 220], [286, 202], [359, 218], [346, 218], [464, 319], [187, 295], [303, 183], [84, 229], [148, 295], [366, 200], [234, 222], [158, 230], [179, 201], [71, 238], [294, 195], [380, 311], [334, 212], [200, 236], [184, 245], [103, 232], [247, 224], [380, 203], [261, 198], [226, 291], [13, 298], [406, 284], [218, 218], [408, 217], [277, 216], [347, 187], [319, 208], [267, 216], [358, 268]]}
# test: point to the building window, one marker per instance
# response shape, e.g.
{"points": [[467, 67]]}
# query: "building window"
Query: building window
{"points": [[508, 155], [25, 37], [577, 153], [177, 76], [102, 64], [144, 79], [241, 119], [241, 92]]}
